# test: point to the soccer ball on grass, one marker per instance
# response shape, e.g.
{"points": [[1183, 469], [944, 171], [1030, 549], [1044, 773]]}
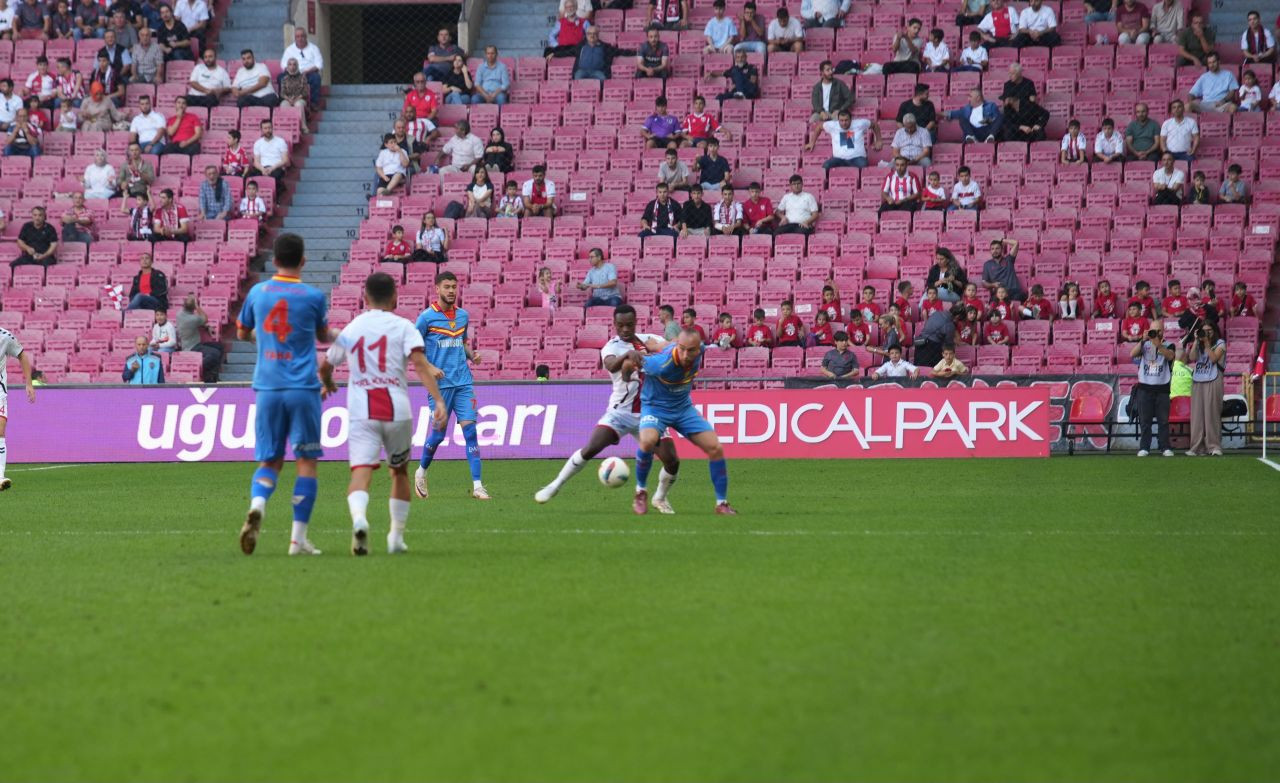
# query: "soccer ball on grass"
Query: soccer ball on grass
{"points": [[614, 472]]}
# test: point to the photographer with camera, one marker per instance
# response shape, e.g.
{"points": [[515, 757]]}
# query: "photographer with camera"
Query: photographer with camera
{"points": [[1154, 357], [1208, 352]]}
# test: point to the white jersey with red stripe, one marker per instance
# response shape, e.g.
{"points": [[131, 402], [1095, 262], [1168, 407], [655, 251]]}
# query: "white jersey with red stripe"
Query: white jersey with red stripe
{"points": [[626, 394], [378, 344], [9, 347]]}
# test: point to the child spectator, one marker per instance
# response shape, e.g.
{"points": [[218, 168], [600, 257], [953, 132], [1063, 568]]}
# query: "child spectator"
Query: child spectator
{"points": [[974, 56], [140, 225], [870, 310], [1003, 305], [970, 299], [1242, 303], [68, 120], [1075, 145], [397, 249], [1250, 94], [790, 327], [1070, 304], [1106, 304], [1174, 304], [758, 334], [968, 328], [1209, 296], [431, 241], [699, 126], [1233, 190], [236, 159], [1037, 307], [831, 302], [757, 211], [937, 57], [1134, 327], [966, 193], [1108, 146], [1143, 299], [725, 336], [858, 331], [890, 336], [840, 362], [689, 320], [903, 300], [934, 195], [822, 332], [251, 204], [931, 303], [164, 335], [673, 171], [1200, 193], [512, 203], [949, 366], [548, 289], [896, 367], [996, 332]]}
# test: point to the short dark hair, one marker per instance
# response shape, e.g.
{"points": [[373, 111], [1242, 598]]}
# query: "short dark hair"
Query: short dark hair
{"points": [[668, 309], [42, 59], [697, 98], [661, 100], [235, 134], [1108, 121], [758, 313], [914, 20], [443, 276], [379, 288], [167, 192], [794, 179], [949, 347], [396, 228], [539, 169], [904, 286], [287, 251], [593, 251], [1141, 284], [243, 52], [626, 309], [754, 186], [963, 170], [921, 88], [7, 81], [691, 311], [542, 370], [386, 137], [1234, 168], [64, 61], [841, 336]]}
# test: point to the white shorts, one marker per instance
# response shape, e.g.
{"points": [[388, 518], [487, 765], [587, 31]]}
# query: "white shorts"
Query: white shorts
{"points": [[367, 439], [4, 405], [620, 421]]}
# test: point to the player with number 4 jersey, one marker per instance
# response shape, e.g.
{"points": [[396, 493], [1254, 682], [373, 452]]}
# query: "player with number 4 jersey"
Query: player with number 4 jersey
{"points": [[286, 318]]}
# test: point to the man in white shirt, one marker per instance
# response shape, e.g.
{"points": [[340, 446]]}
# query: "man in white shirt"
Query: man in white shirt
{"points": [[7, 13], [464, 149], [209, 82], [251, 85], [1167, 182], [147, 127], [797, 211], [1108, 147], [824, 13], [392, 166], [1037, 26], [310, 61], [1179, 135], [270, 154], [912, 142], [848, 140], [9, 104], [194, 15], [785, 34]]}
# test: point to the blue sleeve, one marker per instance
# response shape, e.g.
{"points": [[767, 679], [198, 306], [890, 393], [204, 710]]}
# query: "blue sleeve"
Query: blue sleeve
{"points": [[421, 324], [653, 363], [322, 311], [246, 311]]}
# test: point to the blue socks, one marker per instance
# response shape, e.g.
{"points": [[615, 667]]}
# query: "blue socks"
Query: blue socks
{"points": [[473, 449], [644, 463], [304, 498], [720, 479], [264, 483], [433, 442]]}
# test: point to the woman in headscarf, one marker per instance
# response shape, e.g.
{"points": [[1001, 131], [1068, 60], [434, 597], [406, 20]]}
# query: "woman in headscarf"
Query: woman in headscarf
{"points": [[498, 154], [294, 90], [98, 112]]}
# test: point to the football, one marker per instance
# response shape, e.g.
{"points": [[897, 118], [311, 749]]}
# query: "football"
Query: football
{"points": [[614, 472]]}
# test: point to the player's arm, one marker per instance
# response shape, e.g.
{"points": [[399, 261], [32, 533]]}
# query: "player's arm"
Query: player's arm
{"points": [[327, 386], [655, 344], [428, 373], [629, 362], [473, 355], [25, 363]]}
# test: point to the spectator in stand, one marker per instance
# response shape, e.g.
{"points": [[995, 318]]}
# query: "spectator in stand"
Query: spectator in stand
{"points": [[601, 281], [822, 334], [183, 131], [493, 80], [720, 33], [90, 20], [310, 62], [921, 108], [593, 58], [661, 129], [830, 304], [235, 160], [40, 119], [293, 89], [996, 332], [1037, 307], [440, 57], [585, 10], [1108, 146], [713, 170], [972, 12], [1018, 86], [937, 55], [906, 47], [674, 172], [824, 13], [790, 328], [948, 366], [137, 174], [397, 249], [1234, 190], [726, 215], [99, 179], [251, 85], [31, 20], [140, 222], [725, 335], [1133, 23], [974, 56], [77, 221], [901, 189], [859, 332], [1256, 42], [1106, 303], [1168, 18], [539, 194], [669, 14], [1199, 193], [164, 336], [1037, 26], [457, 83], [431, 242], [499, 156], [1174, 304], [173, 36], [968, 327], [171, 222], [252, 206], [785, 34], [896, 366], [1024, 120], [1075, 146], [1167, 182], [41, 84], [421, 99], [1208, 351], [980, 120], [671, 327], [1195, 42], [700, 125], [148, 58], [759, 335], [751, 27], [150, 287], [966, 193], [512, 203], [1133, 327], [999, 26], [662, 215], [9, 104], [1215, 89], [194, 335], [1142, 136], [797, 211], [143, 367], [868, 307], [391, 167], [548, 289], [465, 150], [215, 195], [270, 154], [1249, 96], [109, 82], [758, 215], [24, 138], [122, 24], [412, 147], [998, 270], [60, 21], [689, 320], [848, 140], [934, 195], [421, 130], [1208, 299], [912, 142], [931, 302], [118, 54], [1242, 303], [653, 58], [696, 215], [68, 84], [829, 95], [479, 194], [744, 79]]}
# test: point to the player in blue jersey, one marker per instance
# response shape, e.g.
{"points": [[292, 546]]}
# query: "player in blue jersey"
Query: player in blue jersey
{"points": [[665, 401], [444, 330], [286, 318]]}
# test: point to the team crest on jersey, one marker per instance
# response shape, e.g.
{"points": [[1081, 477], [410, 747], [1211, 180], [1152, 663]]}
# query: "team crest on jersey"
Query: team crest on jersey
{"points": [[453, 324]]}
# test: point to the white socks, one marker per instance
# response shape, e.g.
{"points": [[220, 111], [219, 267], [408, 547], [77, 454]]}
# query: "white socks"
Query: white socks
{"points": [[4, 456], [299, 532], [477, 484], [258, 503], [665, 480], [572, 467], [399, 515], [358, 503]]}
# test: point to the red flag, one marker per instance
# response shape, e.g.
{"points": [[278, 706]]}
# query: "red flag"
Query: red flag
{"points": [[1260, 364]]}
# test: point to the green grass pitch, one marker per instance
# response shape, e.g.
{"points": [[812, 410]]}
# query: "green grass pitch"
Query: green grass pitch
{"points": [[1086, 618]]}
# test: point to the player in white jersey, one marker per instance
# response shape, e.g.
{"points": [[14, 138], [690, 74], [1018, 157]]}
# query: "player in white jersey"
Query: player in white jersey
{"points": [[9, 346], [623, 415], [379, 346]]}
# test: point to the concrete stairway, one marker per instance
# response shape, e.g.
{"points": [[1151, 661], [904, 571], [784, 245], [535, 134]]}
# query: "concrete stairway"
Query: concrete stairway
{"points": [[256, 25], [518, 27]]}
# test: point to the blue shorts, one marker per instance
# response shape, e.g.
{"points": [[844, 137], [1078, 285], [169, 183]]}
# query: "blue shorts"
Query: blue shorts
{"points": [[291, 416], [460, 401], [685, 421]]}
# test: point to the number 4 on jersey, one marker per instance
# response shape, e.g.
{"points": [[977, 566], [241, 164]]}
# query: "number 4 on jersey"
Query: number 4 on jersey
{"points": [[277, 321]]}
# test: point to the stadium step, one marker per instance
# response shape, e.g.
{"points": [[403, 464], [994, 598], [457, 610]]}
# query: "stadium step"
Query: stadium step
{"points": [[256, 25], [518, 27]]}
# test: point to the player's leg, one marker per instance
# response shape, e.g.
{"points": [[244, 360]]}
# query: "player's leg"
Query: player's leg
{"points": [[647, 439], [602, 437], [666, 452], [364, 452], [270, 435], [709, 442], [4, 449], [399, 444], [464, 407], [434, 439], [304, 435]]}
